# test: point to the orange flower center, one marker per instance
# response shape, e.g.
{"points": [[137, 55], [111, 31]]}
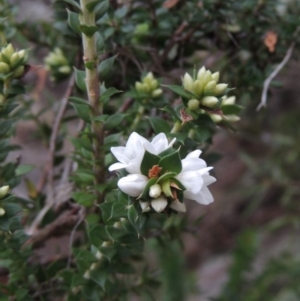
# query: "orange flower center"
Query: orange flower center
{"points": [[154, 171]]}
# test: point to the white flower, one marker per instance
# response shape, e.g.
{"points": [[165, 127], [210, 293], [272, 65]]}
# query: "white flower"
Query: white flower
{"points": [[133, 184], [130, 156], [195, 178], [159, 204]]}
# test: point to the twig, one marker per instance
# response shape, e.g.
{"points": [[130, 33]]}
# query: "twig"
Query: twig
{"points": [[267, 82], [50, 173], [80, 220]]}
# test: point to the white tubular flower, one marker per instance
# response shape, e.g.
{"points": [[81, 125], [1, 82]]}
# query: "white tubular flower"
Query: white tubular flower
{"points": [[155, 191], [195, 177], [131, 155], [159, 204], [133, 184], [188, 82]]}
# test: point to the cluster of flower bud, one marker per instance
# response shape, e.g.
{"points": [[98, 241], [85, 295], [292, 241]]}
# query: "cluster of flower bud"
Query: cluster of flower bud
{"points": [[149, 85], [57, 64], [12, 62], [230, 117], [205, 87]]}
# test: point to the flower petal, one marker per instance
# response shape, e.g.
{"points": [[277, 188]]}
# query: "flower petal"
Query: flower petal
{"points": [[191, 180], [119, 153], [159, 204], [116, 166], [160, 143], [207, 179], [178, 206], [133, 184], [192, 164], [203, 197]]}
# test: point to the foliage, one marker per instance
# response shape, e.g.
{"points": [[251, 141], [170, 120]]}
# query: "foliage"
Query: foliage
{"points": [[129, 62]]}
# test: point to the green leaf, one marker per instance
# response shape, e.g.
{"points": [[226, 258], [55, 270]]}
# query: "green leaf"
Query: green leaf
{"points": [[91, 6], [106, 209], [78, 100], [109, 251], [88, 30], [74, 3], [83, 112], [23, 170], [114, 120], [101, 118], [105, 66], [85, 177], [80, 79], [73, 20], [171, 111], [180, 91], [171, 163], [100, 43], [82, 142], [98, 235], [145, 193], [99, 276], [11, 209], [101, 8], [149, 160], [115, 233], [159, 125], [166, 175], [231, 109], [84, 198], [108, 93], [132, 215]]}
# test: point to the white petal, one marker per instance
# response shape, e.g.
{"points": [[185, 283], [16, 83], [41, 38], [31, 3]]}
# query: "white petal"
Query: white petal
{"points": [[178, 206], [159, 204], [160, 143], [203, 197], [145, 206], [133, 184], [134, 166], [191, 180], [192, 163], [195, 154], [116, 166], [119, 153], [207, 179], [134, 145]]}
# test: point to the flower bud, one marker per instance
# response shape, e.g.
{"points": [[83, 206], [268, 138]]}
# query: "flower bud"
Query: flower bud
{"points": [[21, 54], [14, 59], [198, 87], [220, 89], [215, 76], [188, 82], [157, 93], [65, 69], [87, 274], [118, 225], [193, 104], [206, 78], [2, 211], [210, 87], [99, 255], [4, 68], [209, 101], [106, 244], [8, 51], [155, 191], [148, 78], [93, 266], [232, 118], [201, 73], [139, 87], [159, 204], [178, 206], [146, 87], [228, 100], [153, 84], [145, 206], [215, 117], [18, 72], [4, 191]]}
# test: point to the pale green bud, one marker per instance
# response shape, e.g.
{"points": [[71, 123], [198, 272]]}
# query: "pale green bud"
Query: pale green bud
{"points": [[206, 78], [232, 118], [193, 104], [228, 100], [209, 88], [18, 72], [99, 255], [146, 87], [139, 87], [2, 211], [198, 87], [4, 68], [64, 69], [153, 84], [8, 51], [21, 53], [215, 76], [118, 225], [215, 117], [188, 82], [148, 78], [220, 89], [145, 206], [87, 274], [4, 191], [106, 244], [201, 73], [209, 101], [14, 59], [157, 93], [165, 185], [93, 266], [155, 191]]}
